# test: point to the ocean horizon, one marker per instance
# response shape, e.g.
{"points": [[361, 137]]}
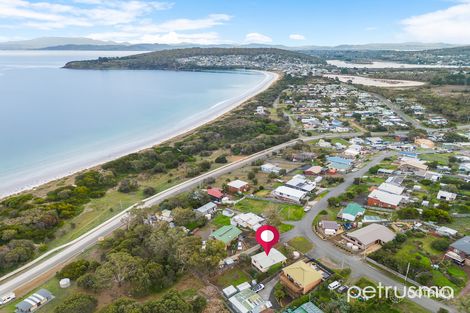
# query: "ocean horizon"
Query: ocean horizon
{"points": [[55, 121]]}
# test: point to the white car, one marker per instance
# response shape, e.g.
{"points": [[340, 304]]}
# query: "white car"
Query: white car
{"points": [[334, 285], [258, 288], [4, 299]]}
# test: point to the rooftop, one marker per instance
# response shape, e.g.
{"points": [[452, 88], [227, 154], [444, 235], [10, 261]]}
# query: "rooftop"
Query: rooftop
{"points": [[371, 233], [302, 273], [386, 197], [237, 183], [462, 244], [391, 188], [353, 208], [226, 233]]}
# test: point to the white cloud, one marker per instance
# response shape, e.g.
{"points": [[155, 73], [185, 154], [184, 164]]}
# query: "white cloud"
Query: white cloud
{"points": [[90, 13], [257, 38], [163, 38], [370, 28], [449, 25], [296, 37]]}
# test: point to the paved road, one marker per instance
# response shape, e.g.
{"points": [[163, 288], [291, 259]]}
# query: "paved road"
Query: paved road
{"points": [[326, 249], [62, 254]]}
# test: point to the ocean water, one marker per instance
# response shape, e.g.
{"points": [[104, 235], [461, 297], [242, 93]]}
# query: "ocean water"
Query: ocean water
{"points": [[54, 121]]}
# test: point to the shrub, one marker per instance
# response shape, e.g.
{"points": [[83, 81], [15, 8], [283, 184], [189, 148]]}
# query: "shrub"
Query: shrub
{"points": [[77, 303], [128, 185], [440, 244], [149, 191]]}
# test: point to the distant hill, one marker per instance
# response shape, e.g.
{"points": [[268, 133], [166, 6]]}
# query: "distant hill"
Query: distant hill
{"points": [[44, 42], [198, 58], [78, 43]]}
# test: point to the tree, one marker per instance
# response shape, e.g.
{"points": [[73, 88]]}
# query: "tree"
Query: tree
{"points": [[120, 267], [149, 191], [89, 281], [198, 303], [272, 216], [279, 292], [123, 305], [206, 260], [440, 244], [76, 269], [128, 185], [221, 159], [183, 217], [77, 303]]}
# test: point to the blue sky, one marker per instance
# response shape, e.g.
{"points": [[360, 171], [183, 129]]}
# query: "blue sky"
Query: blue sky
{"points": [[294, 23]]}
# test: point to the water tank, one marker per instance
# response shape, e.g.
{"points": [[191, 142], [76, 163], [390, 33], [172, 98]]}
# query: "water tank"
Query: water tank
{"points": [[359, 225], [349, 245], [296, 255], [355, 248], [64, 283]]}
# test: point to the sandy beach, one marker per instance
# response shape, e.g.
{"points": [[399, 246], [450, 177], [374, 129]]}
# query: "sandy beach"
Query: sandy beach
{"points": [[390, 83], [21, 181]]}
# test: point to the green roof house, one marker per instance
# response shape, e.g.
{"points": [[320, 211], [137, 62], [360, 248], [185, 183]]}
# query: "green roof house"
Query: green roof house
{"points": [[351, 212], [226, 234]]}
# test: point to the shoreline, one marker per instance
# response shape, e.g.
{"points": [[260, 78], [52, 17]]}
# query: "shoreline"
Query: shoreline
{"points": [[69, 168]]}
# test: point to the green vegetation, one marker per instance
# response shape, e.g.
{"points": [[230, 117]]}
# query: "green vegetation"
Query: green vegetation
{"points": [[420, 252], [284, 228], [234, 276], [220, 220], [171, 59], [288, 212], [301, 244]]}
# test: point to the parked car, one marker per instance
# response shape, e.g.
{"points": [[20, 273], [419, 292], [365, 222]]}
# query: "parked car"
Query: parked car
{"points": [[239, 246], [258, 288], [4, 299], [334, 285], [342, 289]]}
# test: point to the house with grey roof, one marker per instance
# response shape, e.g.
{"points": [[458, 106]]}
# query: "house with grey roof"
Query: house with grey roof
{"points": [[459, 251], [370, 235], [34, 301]]}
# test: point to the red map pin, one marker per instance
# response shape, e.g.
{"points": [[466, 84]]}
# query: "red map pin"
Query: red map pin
{"points": [[267, 236]]}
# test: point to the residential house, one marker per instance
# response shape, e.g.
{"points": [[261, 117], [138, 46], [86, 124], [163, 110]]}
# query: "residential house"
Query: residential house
{"points": [[270, 168], [412, 165], [300, 278], [351, 212], [226, 234], [34, 301], [207, 209], [370, 235], [301, 183], [238, 186], [215, 194], [307, 307], [383, 199], [339, 163], [290, 194], [313, 170], [445, 195], [464, 168], [459, 251], [248, 301], [329, 228], [303, 156], [391, 188], [264, 262], [247, 220], [165, 216]]}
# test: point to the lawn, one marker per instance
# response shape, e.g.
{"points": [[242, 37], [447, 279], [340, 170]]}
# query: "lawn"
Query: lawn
{"points": [[289, 212], [340, 140], [462, 225], [301, 244], [283, 228], [441, 158], [220, 220], [234, 276]]}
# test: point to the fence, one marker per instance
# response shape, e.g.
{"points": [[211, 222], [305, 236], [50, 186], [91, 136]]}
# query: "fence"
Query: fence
{"points": [[385, 268]]}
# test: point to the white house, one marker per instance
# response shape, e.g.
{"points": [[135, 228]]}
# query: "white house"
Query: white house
{"points": [[263, 262], [270, 168], [208, 208], [391, 188], [290, 194], [247, 220], [445, 195], [301, 183]]}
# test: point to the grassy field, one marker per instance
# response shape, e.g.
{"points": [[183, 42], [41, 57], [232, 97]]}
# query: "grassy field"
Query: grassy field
{"points": [[283, 228], [462, 225], [234, 276], [441, 158], [289, 212], [220, 220], [301, 244]]}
